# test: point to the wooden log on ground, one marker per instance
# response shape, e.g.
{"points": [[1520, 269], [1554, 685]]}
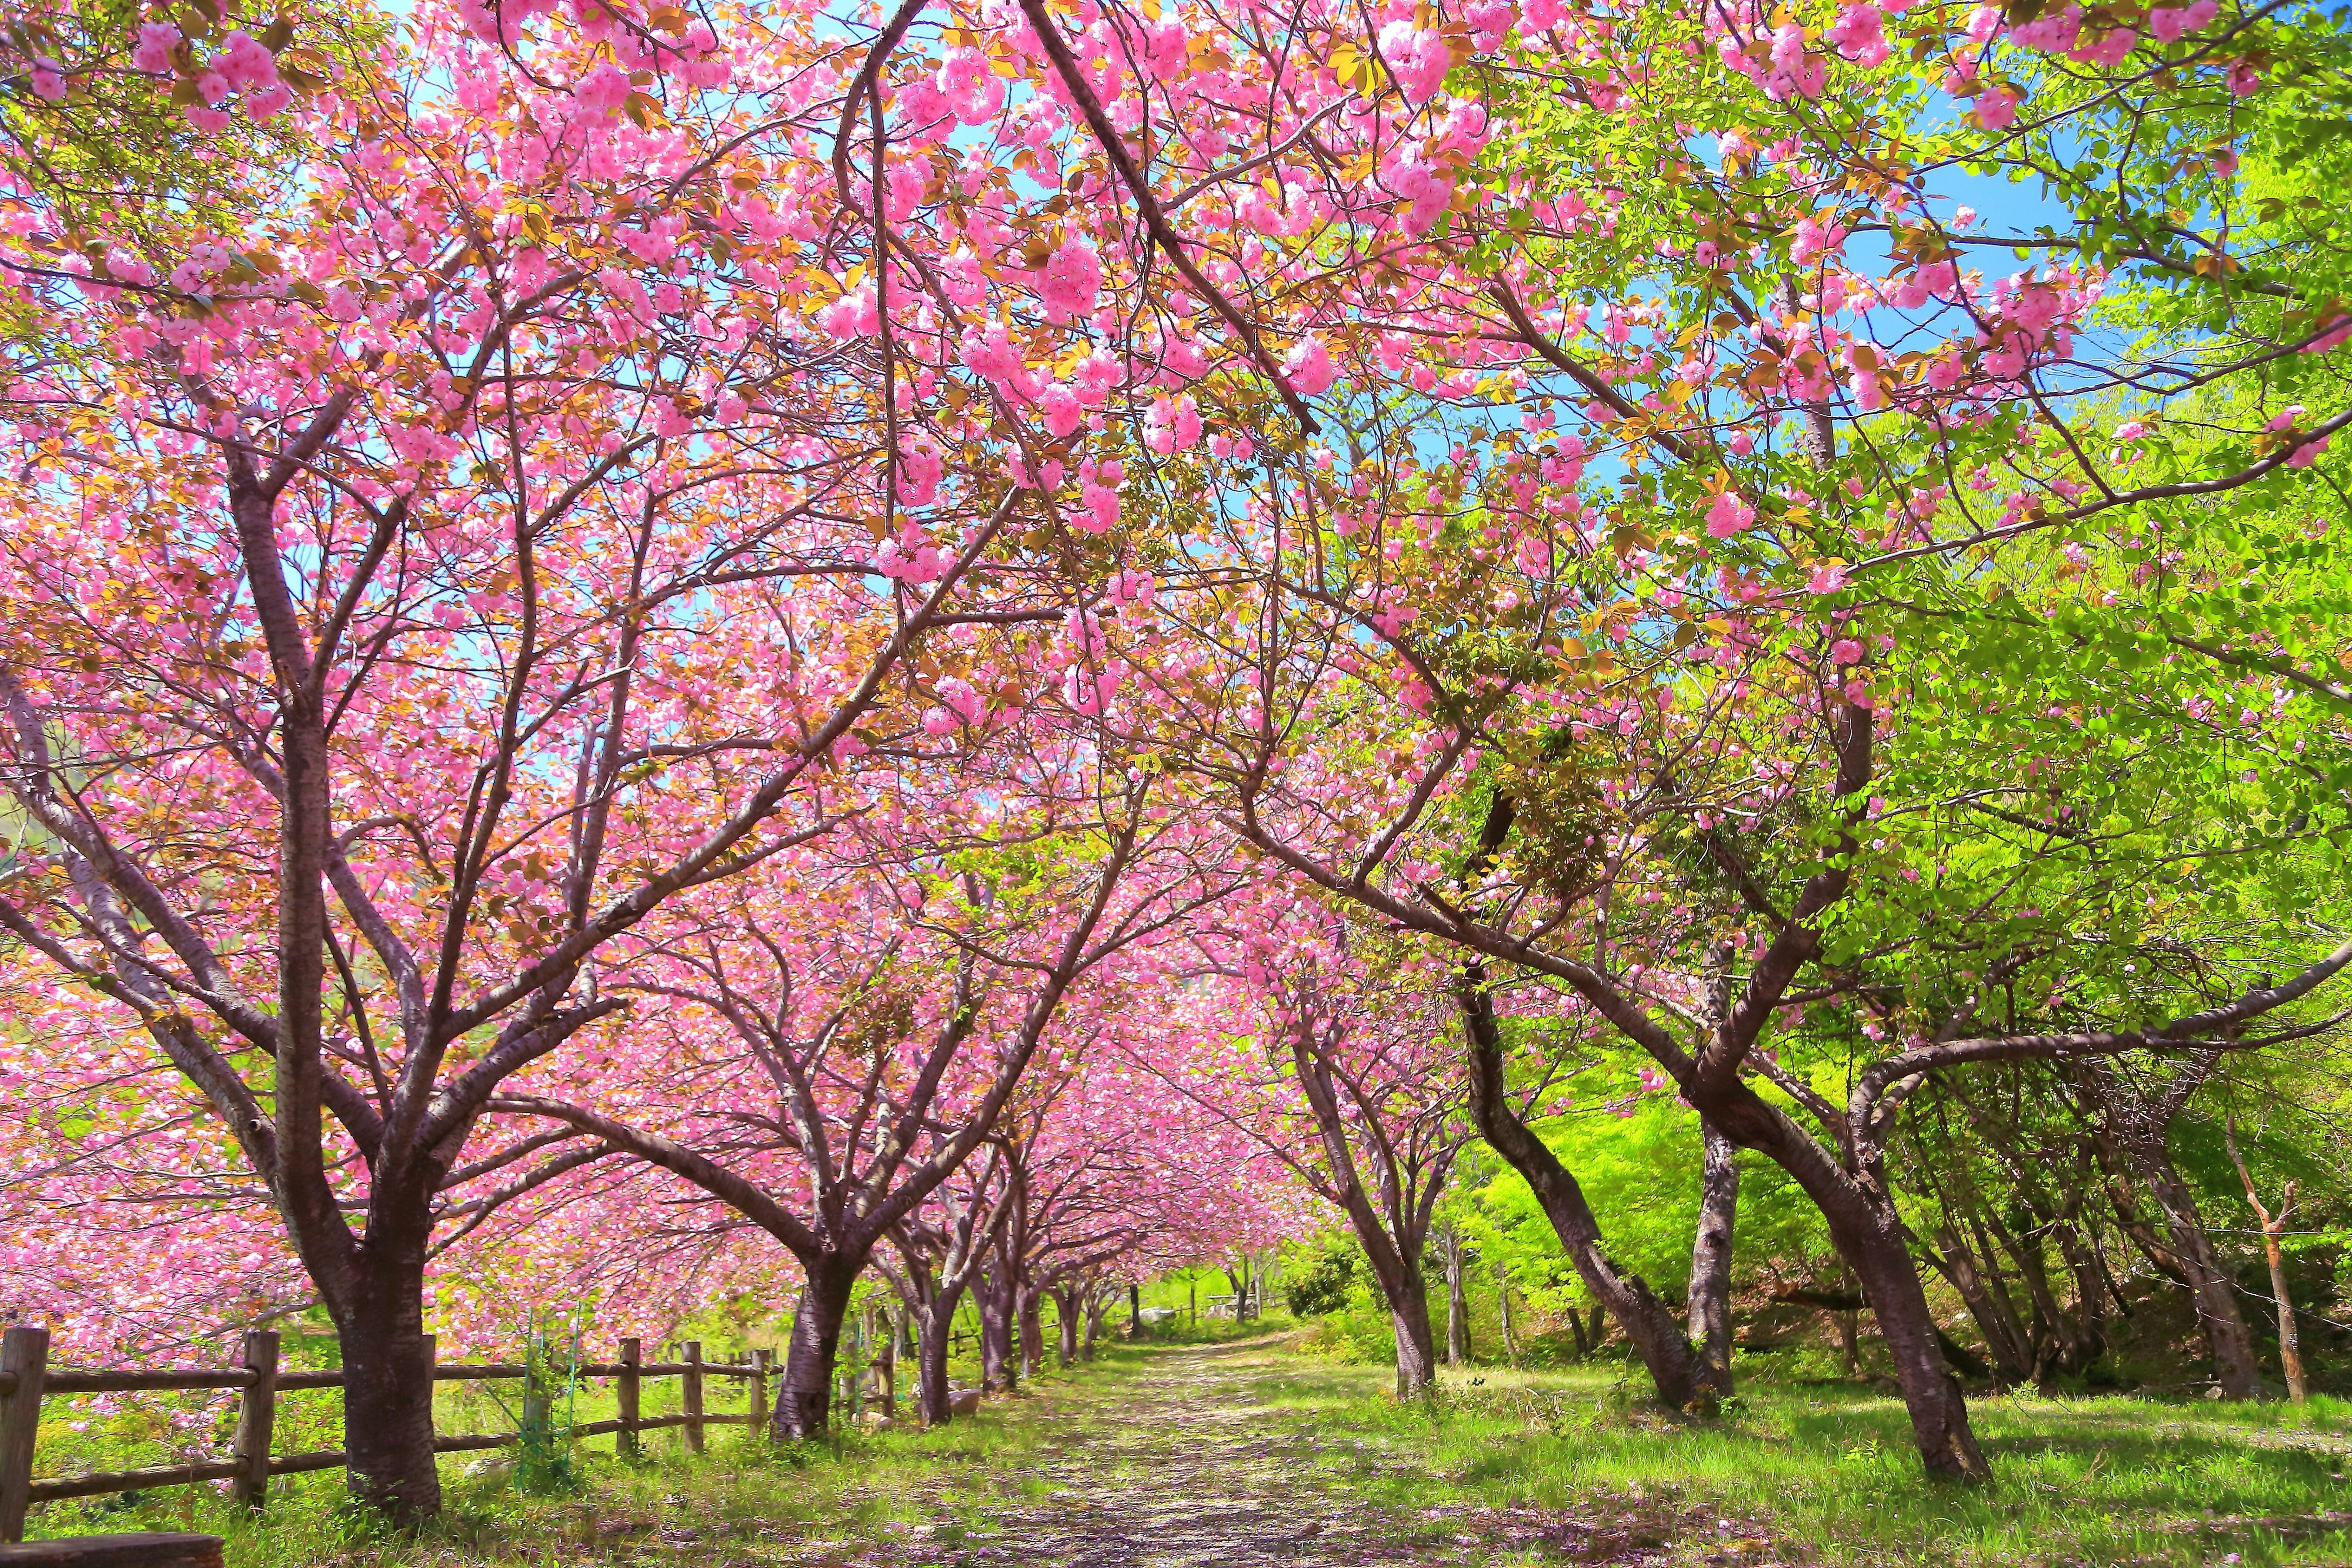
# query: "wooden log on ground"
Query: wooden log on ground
{"points": [[147, 1549]]}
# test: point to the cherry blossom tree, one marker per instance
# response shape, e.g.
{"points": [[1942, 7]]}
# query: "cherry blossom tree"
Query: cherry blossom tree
{"points": [[567, 457], [833, 1049], [1428, 618], [429, 506], [938, 1250], [1330, 1050]]}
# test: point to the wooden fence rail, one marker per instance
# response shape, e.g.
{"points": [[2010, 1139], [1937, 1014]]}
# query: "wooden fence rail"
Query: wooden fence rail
{"points": [[26, 1379]]}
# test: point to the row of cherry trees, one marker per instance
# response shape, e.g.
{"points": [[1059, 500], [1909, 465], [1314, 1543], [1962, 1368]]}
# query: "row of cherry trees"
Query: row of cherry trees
{"points": [[686, 622]]}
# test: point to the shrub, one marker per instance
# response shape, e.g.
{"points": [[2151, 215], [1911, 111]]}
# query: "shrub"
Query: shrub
{"points": [[1322, 1286]]}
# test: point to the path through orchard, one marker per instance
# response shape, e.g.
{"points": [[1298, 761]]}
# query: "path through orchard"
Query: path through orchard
{"points": [[1197, 1459]]}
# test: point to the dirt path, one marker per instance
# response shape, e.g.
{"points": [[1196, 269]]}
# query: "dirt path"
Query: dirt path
{"points": [[1188, 1463]]}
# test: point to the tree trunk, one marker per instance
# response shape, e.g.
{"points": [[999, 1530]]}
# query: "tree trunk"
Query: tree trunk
{"points": [[1416, 1352], [1065, 1321], [1646, 1319], [934, 1333], [805, 1392], [2003, 1301], [886, 1366], [1871, 1238], [2136, 1136], [2013, 1360], [2290, 1346], [1032, 1330], [1094, 1325], [1710, 1282], [2085, 1327], [1134, 1310], [2226, 1336], [2072, 1338], [2273, 1224], [1880, 1260], [388, 1392], [1457, 1304], [2052, 1331], [991, 1295], [1503, 1296]]}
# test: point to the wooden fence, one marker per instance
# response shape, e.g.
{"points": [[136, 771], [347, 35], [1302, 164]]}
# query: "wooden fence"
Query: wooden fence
{"points": [[26, 1379]]}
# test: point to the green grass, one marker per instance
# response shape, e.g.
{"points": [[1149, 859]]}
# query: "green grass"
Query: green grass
{"points": [[1807, 1474], [858, 1486], [1831, 1471]]}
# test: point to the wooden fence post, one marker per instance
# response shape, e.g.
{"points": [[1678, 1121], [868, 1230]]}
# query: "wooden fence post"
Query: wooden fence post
{"points": [[256, 1419], [693, 1386], [760, 1395], [23, 1358], [632, 1352]]}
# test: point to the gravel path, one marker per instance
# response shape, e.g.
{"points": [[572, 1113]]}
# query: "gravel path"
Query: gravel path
{"points": [[1187, 1464]]}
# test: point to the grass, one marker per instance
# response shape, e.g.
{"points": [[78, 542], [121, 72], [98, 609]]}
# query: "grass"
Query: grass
{"points": [[1829, 1471], [1794, 1473], [857, 1487]]}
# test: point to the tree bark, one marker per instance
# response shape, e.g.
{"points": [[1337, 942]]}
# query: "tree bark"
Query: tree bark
{"points": [[1416, 1350], [2136, 1136], [1503, 1297], [1457, 1304], [1880, 1257], [2274, 1225], [2290, 1346], [885, 1364], [804, 1390], [2072, 1339], [2052, 1329], [1396, 1269], [1648, 1323], [1710, 1282], [1996, 1320], [1066, 1322], [1392, 1244], [934, 1334], [2226, 1335], [388, 1391], [1870, 1236], [991, 1295], [2087, 1332], [1032, 1326]]}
